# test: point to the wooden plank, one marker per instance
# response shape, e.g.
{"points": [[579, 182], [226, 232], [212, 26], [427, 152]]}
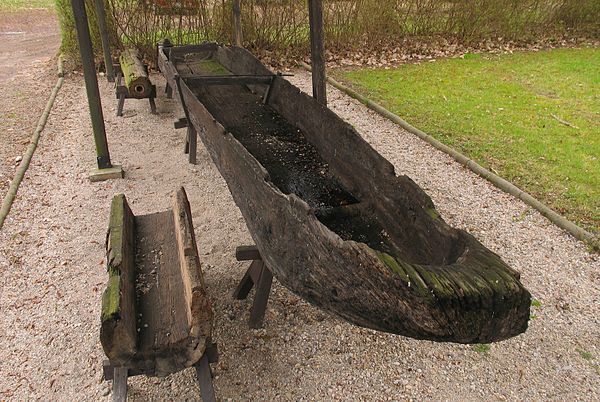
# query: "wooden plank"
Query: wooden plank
{"points": [[163, 318], [251, 277], [197, 303], [317, 50], [119, 391], [118, 331], [192, 143], [246, 253], [181, 123], [167, 68], [261, 297]]}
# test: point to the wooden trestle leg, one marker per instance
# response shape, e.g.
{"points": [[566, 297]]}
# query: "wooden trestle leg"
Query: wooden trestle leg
{"points": [[192, 141], [257, 274], [119, 376], [119, 393], [204, 375], [152, 105], [192, 136]]}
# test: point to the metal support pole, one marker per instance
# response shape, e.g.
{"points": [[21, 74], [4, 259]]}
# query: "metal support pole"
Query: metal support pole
{"points": [[91, 83], [101, 14], [237, 23], [317, 53]]}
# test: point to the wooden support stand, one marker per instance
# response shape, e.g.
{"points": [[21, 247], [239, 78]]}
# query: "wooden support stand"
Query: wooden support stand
{"points": [[191, 139], [257, 274], [156, 315], [119, 376], [122, 93]]}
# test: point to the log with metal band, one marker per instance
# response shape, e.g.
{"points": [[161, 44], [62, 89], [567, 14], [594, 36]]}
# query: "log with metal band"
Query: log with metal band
{"points": [[329, 216]]}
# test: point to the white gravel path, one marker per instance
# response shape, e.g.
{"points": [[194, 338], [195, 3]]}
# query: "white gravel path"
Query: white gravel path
{"points": [[52, 274]]}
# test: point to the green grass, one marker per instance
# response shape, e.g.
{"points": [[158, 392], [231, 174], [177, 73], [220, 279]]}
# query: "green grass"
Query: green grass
{"points": [[18, 5], [503, 112], [585, 354], [481, 347]]}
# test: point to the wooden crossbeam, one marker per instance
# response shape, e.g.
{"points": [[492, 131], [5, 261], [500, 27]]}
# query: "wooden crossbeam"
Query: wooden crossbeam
{"points": [[259, 275], [230, 80]]}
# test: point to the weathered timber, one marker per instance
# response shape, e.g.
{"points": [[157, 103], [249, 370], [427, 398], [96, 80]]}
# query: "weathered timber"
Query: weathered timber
{"points": [[246, 253], [237, 23], [231, 80], [334, 223], [91, 83], [135, 75], [257, 275], [156, 316], [118, 332]]}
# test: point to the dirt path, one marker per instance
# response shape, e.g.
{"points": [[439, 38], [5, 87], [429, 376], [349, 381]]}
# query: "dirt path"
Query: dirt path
{"points": [[30, 41]]}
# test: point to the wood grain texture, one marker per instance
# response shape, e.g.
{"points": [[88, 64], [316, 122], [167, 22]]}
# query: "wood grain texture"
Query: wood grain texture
{"points": [[317, 51], [119, 391], [134, 73], [431, 282], [198, 305], [163, 321], [118, 331]]}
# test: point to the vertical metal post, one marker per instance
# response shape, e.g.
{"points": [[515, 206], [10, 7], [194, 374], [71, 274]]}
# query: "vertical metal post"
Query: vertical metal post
{"points": [[101, 14], [237, 23], [91, 83], [317, 53]]}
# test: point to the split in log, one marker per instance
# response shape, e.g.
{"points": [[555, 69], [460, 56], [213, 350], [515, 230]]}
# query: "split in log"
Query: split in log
{"points": [[135, 75], [156, 315]]}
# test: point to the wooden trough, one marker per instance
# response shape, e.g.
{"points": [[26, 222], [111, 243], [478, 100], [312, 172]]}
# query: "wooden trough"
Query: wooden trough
{"points": [[328, 214], [156, 315]]}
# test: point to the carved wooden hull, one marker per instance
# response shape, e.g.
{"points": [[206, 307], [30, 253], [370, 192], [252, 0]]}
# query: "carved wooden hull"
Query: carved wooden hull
{"points": [[357, 240]]}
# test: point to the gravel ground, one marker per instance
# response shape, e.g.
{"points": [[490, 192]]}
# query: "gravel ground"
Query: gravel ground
{"points": [[29, 40], [52, 274]]}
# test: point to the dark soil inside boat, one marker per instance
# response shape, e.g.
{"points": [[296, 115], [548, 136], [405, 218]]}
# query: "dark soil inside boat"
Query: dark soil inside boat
{"points": [[294, 165]]}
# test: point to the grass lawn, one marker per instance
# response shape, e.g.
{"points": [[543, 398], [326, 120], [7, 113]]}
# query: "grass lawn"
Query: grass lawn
{"points": [[17, 5], [505, 112]]}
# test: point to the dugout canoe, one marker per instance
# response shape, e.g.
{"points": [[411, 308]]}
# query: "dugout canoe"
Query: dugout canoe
{"points": [[329, 215]]}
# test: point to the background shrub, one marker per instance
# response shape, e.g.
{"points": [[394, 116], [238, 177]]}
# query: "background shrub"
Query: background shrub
{"points": [[281, 26]]}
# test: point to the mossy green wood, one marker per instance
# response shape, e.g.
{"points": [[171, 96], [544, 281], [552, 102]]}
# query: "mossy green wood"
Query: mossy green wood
{"points": [[118, 333], [212, 67], [134, 74], [399, 269]]}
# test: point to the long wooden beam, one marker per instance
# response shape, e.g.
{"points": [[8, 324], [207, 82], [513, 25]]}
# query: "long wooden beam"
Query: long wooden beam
{"points": [[230, 80], [238, 39], [91, 83], [317, 53]]}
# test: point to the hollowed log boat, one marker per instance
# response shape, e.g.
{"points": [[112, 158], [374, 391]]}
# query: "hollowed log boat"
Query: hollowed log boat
{"points": [[330, 217]]}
